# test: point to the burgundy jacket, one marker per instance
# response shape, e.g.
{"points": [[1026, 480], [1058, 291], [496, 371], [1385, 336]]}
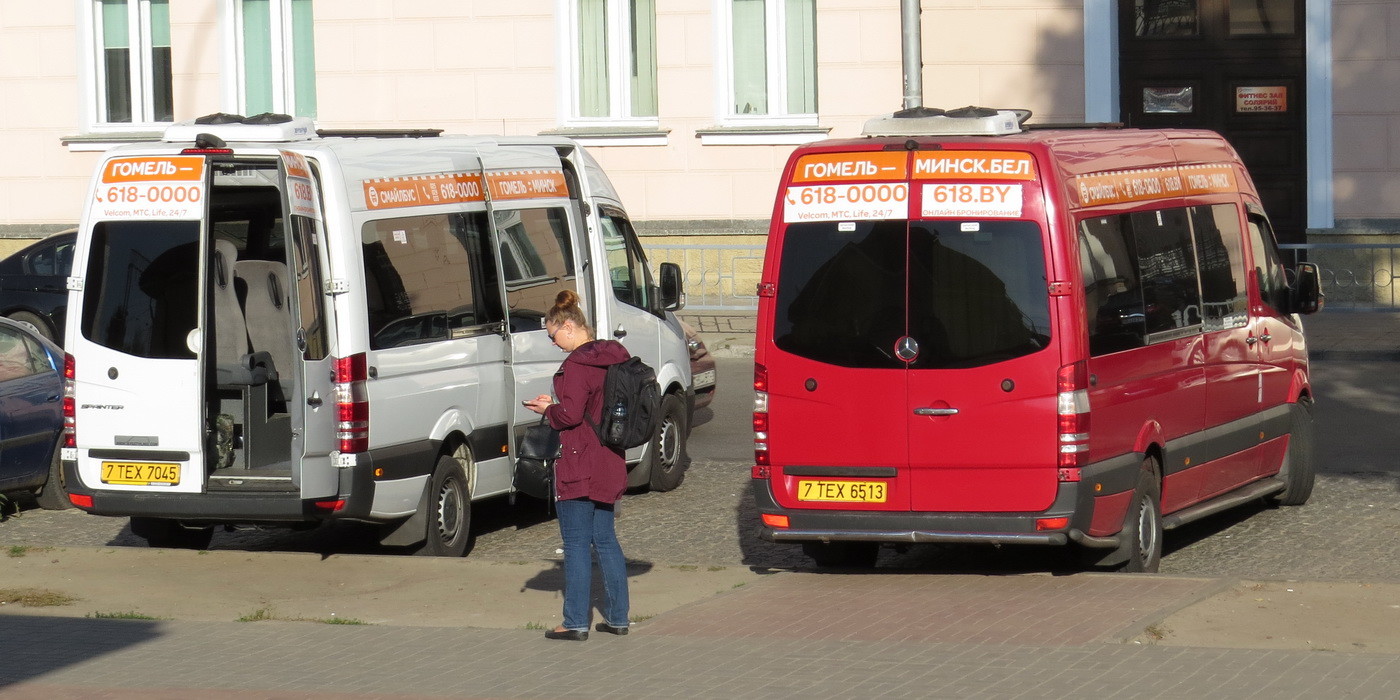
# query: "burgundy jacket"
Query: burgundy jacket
{"points": [[586, 469]]}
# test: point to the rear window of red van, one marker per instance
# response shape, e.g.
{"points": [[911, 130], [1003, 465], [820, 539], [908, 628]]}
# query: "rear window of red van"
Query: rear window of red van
{"points": [[970, 293]]}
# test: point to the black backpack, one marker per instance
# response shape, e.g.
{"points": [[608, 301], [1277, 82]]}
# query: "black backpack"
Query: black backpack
{"points": [[631, 405]]}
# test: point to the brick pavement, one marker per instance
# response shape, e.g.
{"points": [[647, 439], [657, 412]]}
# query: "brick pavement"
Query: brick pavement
{"points": [[827, 644]]}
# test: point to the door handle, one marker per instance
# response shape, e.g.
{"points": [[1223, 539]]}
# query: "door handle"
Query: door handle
{"points": [[1251, 340], [314, 400], [935, 411], [1266, 337], [619, 332]]}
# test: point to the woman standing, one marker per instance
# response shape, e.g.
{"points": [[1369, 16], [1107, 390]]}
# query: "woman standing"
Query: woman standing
{"points": [[588, 477]]}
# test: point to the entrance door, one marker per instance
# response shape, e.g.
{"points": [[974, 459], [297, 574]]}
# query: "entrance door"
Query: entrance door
{"points": [[1233, 66]]}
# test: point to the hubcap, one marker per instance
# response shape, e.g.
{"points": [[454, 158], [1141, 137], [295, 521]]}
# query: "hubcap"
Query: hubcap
{"points": [[449, 511], [1147, 530], [666, 446]]}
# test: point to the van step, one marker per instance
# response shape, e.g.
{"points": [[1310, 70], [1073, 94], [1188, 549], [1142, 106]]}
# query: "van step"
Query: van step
{"points": [[1248, 492], [246, 481]]}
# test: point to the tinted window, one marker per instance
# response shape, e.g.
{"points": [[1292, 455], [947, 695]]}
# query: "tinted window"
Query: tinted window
{"points": [[841, 292], [52, 260], [538, 262], [1112, 294], [142, 287], [428, 278], [627, 267], [1219, 248], [977, 292], [1268, 268], [20, 356], [1167, 264], [307, 273]]}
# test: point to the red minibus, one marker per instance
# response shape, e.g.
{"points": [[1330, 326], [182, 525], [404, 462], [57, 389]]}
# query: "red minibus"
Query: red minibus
{"points": [[974, 331]]}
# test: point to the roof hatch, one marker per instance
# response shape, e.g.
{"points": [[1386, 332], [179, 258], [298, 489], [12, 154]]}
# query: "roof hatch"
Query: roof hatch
{"points": [[233, 128], [967, 121]]}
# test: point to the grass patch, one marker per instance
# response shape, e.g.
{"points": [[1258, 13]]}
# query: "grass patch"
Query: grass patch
{"points": [[685, 567], [534, 626], [641, 618], [339, 621], [717, 568], [128, 615], [34, 597], [257, 616], [1157, 632]]}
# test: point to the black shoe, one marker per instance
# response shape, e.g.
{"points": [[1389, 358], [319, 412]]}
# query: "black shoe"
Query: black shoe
{"points": [[605, 627], [571, 635]]}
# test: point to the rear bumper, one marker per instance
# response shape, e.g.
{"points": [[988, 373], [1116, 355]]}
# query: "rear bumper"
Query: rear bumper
{"points": [[1073, 501], [228, 507]]}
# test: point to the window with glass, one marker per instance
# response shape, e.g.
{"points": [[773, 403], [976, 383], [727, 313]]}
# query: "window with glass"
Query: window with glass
{"points": [[142, 287], [132, 70], [772, 59], [1112, 291], [627, 266], [537, 261], [20, 356], [275, 56], [428, 278], [1263, 17], [1166, 18], [614, 59], [1219, 250], [307, 272], [1167, 265], [1268, 264]]}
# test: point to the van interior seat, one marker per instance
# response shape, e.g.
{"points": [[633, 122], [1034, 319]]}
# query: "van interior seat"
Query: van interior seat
{"points": [[231, 333], [268, 311]]}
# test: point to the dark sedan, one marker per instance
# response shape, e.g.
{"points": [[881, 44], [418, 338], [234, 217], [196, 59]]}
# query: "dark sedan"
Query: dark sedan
{"points": [[34, 284], [31, 415]]}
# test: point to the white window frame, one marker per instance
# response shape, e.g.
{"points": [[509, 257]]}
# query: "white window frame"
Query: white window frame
{"points": [[776, 47], [92, 73], [234, 66], [619, 61]]}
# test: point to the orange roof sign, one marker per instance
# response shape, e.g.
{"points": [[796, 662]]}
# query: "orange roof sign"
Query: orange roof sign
{"points": [[1153, 183], [422, 190], [864, 166], [151, 187], [973, 165]]}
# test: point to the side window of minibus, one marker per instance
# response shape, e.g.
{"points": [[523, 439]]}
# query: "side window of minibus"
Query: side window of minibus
{"points": [[538, 262], [627, 267], [1112, 293], [307, 278], [1220, 249], [1167, 261], [1268, 269]]}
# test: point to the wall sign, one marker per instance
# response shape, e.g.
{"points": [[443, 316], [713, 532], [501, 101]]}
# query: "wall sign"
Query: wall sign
{"points": [[1270, 98]]}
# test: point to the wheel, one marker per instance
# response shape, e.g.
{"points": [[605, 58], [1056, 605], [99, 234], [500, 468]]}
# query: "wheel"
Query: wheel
{"points": [[39, 324], [53, 495], [1297, 471], [449, 511], [667, 455], [850, 555], [1142, 527], [170, 534]]}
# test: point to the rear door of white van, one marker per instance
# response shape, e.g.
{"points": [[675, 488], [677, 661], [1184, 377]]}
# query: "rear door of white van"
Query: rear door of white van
{"points": [[136, 326]]}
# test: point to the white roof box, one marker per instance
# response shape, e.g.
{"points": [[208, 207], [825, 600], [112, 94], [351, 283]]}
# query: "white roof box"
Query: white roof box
{"points": [[232, 127], [968, 121]]}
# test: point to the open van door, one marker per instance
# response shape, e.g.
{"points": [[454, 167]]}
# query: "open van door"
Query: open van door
{"points": [[146, 272]]}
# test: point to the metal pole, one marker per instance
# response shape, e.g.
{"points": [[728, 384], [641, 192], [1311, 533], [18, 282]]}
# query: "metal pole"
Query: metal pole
{"points": [[913, 54]]}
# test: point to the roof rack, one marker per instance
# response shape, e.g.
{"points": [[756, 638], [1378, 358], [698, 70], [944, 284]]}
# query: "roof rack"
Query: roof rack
{"points": [[379, 133], [1076, 125], [965, 121]]}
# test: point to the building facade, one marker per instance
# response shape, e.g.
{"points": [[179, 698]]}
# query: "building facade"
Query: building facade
{"points": [[694, 105]]}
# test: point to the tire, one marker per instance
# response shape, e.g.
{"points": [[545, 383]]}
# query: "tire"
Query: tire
{"points": [[1298, 471], [843, 555], [170, 534], [36, 321], [1142, 526], [53, 495], [448, 521], [667, 457]]}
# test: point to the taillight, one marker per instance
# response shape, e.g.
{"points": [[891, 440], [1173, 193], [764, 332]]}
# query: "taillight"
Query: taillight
{"points": [[352, 403], [1073, 387], [70, 413], [760, 421]]}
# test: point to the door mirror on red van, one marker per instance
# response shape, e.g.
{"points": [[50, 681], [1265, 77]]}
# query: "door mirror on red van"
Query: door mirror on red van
{"points": [[1306, 295], [672, 291]]}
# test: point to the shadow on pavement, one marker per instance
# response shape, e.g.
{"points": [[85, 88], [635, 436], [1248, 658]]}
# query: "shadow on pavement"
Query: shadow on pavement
{"points": [[36, 646]]}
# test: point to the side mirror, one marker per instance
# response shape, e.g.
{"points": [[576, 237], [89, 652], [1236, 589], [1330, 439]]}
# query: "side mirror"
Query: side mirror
{"points": [[672, 291], [1306, 295]]}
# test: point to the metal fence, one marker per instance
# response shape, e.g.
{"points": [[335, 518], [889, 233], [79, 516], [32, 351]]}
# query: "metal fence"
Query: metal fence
{"points": [[1355, 276], [717, 277]]}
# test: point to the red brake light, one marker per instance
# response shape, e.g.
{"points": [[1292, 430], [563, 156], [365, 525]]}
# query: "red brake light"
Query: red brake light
{"points": [[70, 413], [352, 403], [1073, 415], [760, 417]]}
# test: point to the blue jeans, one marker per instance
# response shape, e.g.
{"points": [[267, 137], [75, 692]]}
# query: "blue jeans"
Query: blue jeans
{"points": [[588, 525]]}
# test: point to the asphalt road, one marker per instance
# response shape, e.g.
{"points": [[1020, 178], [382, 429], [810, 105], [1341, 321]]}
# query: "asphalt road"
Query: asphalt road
{"points": [[1344, 533]]}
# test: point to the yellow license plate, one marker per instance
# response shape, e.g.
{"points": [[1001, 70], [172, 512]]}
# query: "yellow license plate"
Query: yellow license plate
{"points": [[140, 473], [842, 491]]}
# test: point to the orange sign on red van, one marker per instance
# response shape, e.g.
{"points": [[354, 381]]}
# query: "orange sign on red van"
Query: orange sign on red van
{"points": [[1153, 183], [865, 166], [973, 165]]}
